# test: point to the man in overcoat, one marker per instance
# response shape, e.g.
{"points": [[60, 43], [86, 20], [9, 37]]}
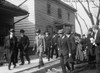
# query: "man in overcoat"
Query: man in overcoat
{"points": [[71, 37], [40, 46], [23, 46], [64, 50], [54, 44], [48, 44], [10, 45], [89, 46]]}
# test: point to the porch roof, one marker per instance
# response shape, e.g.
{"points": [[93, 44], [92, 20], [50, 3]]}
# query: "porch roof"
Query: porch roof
{"points": [[7, 8]]}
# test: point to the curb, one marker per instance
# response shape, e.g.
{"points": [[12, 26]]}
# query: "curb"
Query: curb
{"points": [[48, 65]]}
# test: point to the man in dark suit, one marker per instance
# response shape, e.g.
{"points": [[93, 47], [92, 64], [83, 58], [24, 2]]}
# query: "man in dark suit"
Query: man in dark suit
{"points": [[89, 46], [10, 44], [23, 46], [47, 45], [64, 50], [96, 42], [54, 41], [71, 37]]}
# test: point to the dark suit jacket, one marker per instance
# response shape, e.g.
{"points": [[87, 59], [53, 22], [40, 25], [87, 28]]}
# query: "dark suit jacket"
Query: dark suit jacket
{"points": [[64, 46], [97, 41], [54, 41], [72, 43], [89, 44], [24, 43], [47, 41]]}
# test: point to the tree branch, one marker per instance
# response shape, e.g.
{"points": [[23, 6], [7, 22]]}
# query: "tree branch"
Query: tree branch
{"points": [[79, 23], [98, 14], [88, 13], [83, 20], [94, 3]]}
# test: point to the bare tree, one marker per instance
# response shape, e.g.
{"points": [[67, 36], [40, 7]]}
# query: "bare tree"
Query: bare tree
{"points": [[83, 20], [79, 23], [89, 13]]}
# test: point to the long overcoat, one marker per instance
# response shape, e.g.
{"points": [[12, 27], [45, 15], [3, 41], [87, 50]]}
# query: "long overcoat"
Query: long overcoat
{"points": [[64, 48], [10, 46]]}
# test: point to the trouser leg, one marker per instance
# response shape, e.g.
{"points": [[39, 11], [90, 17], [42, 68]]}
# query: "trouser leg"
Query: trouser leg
{"points": [[16, 56], [56, 51], [27, 57], [40, 59], [22, 57], [62, 64], [48, 53], [52, 51], [98, 62]]}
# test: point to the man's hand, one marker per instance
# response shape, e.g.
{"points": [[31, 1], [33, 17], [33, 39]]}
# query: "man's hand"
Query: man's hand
{"points": [[69, 54]]}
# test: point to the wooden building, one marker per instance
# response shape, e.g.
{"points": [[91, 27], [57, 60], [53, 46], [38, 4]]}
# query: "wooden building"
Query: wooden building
{"points": [[47, 15], [7, 13]]}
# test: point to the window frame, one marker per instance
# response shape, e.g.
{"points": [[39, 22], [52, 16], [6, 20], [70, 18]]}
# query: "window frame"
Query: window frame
{"points": [[48, 8], [59, 13]]}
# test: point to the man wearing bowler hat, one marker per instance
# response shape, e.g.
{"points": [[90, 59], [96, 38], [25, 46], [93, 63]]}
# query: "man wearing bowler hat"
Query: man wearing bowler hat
{"points": [[64, 49], [23, 46], [10, 44]]}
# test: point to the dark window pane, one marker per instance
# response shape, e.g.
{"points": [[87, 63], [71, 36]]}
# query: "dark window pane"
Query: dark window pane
{"points": [[48, 9], [59, 13], [68, 16]]}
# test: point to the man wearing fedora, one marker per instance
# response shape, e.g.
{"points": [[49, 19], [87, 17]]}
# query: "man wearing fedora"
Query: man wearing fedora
{"points": [[23, 46], [10, 44], [64, 49], [40, 46]]}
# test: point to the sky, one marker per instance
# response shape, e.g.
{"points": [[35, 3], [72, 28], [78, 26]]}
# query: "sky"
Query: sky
{"points": [[80, 11]]}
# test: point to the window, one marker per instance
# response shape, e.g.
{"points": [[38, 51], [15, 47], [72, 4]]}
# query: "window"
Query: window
{"points": [[68, 16], [59, 13], [48, 9]]}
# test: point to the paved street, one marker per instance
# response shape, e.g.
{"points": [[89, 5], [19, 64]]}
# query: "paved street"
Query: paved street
{"points": [[29, 68], [80, 69], [52, 66]]}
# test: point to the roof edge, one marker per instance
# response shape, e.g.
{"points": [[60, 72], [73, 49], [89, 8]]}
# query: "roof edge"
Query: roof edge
{"points": [[65, 5]]}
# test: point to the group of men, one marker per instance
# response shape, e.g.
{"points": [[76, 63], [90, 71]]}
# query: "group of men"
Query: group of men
{"points": [[46, 44], [62, 43], [13, 46]]}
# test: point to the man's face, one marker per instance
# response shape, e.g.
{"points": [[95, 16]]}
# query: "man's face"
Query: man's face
{"points": [[60, 34], [94, 30], [21, 34], [11, 33], [46, 34], [37, 34]]}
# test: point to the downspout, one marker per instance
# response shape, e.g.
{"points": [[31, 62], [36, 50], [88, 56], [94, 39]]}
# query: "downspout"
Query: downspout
{"points": [[22, 3], [22, 19]]}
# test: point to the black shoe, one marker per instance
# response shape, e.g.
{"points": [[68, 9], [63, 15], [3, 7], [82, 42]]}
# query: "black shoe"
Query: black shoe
{"points": [[22, 64], [28, 62], [9, 68], [39, 66], [48, 59], [14, 66]]}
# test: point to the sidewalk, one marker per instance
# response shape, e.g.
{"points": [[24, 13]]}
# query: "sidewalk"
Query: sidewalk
{"points": [[29, 68]]}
